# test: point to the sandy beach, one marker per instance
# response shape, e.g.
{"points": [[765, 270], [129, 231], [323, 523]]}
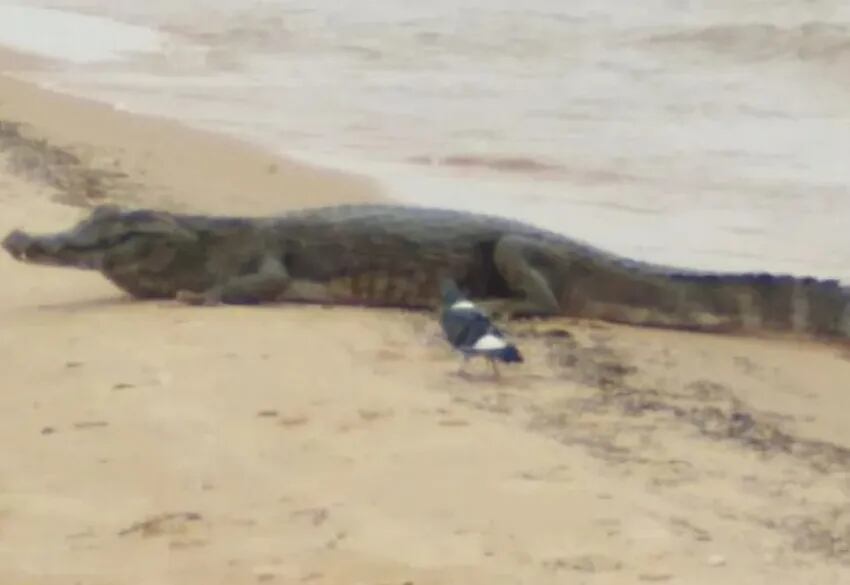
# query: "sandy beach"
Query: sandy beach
{"points": [[152, 443]]}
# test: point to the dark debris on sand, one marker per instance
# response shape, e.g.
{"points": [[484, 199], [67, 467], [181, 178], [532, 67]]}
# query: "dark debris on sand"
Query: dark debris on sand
{"points": [[80, 183]]}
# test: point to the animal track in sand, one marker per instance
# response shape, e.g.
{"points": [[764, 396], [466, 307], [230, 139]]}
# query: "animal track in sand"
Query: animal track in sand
{"points": [[173, 523], [648, 426], [369, 415], [315, 516], [295, 420], [590, 563], [453, 422], [90, 424]]}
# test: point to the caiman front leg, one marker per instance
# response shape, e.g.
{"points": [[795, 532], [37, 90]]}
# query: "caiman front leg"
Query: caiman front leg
{"points": [[528, 267], [270, 283]]}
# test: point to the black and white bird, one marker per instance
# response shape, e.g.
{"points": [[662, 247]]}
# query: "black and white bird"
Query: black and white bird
{"points": [[470, 331]]}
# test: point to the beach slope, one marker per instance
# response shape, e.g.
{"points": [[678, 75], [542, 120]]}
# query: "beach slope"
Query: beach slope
{"points": [[152, 443]]}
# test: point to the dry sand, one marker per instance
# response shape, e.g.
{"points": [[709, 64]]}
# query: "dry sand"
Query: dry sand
{"points": [[150, 443]]}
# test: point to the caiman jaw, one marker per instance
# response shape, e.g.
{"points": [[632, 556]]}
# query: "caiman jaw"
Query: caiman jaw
{"points": [[49, 250]]}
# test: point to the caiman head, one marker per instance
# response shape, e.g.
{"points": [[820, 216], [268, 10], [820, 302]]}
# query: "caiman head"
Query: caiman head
{"points": [[109, 235]]}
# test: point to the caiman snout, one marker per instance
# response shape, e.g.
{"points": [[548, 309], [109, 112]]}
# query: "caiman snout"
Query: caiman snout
{"points": [[35, 249], [18, 244], [51, 250]]}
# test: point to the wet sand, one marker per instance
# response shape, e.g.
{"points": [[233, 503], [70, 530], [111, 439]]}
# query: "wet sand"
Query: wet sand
{"points": [[148, 442]]}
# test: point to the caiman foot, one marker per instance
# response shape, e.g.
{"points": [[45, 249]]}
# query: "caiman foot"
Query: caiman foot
{"points": [[188, 297]]}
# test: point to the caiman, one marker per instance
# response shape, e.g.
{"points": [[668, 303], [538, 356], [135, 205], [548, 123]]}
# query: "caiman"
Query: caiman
{"points": [[396, 256]]}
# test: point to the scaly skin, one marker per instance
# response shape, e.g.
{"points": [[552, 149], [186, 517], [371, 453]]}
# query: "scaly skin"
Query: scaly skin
{"points": [[396, 256]]}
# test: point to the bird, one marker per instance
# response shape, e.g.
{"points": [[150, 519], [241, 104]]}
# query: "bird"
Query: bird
{"points": [[471, 332]]}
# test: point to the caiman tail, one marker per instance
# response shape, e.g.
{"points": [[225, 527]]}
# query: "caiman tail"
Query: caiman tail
{"points": [[747, 302]]}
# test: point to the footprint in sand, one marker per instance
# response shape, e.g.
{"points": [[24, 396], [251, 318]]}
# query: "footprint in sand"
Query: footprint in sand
{"points": [[90, 424], [453, 422], [293, 420], [584, 564], [369, 415], [168, 524]]}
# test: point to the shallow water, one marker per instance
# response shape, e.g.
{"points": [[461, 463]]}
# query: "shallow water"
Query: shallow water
{"points": [[704, 133]]}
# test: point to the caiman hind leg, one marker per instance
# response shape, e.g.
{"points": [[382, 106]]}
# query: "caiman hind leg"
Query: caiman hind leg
{"points": [[540, 276], [529, 268], [270, 283]]}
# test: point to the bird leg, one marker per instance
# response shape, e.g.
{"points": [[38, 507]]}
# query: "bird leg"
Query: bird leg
{"points": [[496, 373], [461, 371]]}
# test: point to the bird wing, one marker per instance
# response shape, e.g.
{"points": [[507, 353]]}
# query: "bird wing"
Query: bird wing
{"points": [[464, 327]]}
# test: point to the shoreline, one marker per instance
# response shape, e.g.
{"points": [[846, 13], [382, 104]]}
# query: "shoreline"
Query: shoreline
{"points": [[646, 171], [144, 151]]}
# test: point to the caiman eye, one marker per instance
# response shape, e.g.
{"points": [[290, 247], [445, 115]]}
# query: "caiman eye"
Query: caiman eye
{"points": [[103, 243]]}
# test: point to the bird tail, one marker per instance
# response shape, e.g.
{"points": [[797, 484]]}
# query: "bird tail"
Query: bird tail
{"points": [[510, 354]]}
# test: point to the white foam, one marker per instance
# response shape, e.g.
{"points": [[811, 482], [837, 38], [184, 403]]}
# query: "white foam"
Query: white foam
{"points": [[463, 305], [72, 37]]}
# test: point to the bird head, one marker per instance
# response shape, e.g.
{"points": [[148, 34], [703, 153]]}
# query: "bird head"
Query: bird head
{"points": [[449, 292]]}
